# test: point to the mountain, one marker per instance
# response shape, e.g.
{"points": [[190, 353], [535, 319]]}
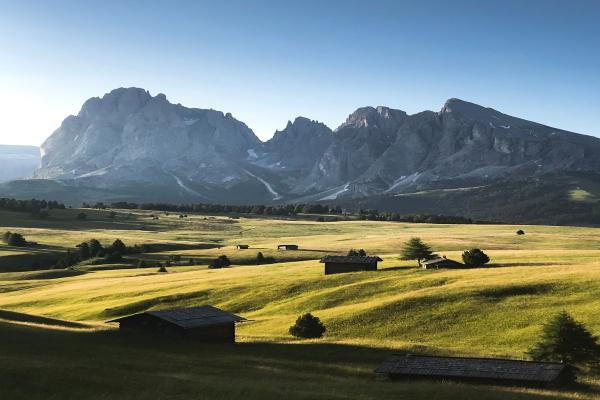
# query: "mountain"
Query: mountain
{"points": [[132, 145], [18, 162]]}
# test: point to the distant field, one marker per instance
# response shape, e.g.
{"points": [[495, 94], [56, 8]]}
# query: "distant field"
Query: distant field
{"points": [[497, 310]]}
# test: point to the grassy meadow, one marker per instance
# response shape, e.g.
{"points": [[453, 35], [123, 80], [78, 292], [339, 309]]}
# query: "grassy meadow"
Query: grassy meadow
{"points": [[493, 311]]}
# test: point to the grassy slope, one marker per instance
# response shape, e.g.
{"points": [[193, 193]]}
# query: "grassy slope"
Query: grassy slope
{"points": [[492, 311]]}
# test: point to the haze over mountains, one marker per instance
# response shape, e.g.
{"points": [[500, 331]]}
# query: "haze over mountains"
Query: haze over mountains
{"points": [[18, 162], [131, 145]]}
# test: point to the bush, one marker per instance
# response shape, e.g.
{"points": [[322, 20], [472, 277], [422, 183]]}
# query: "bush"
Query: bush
{"points": [[566, 340], [162, 268], [355, 253], [14, 239], [307, 326], [220, 262], [261, 259], [520, 232], [113, 257], [475, 258]]}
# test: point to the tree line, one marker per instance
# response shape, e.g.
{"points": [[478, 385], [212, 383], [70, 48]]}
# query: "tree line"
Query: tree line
{"points": [[33, 206]]}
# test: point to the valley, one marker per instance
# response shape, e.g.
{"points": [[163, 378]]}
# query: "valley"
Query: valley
{"points": [[368, 315]]}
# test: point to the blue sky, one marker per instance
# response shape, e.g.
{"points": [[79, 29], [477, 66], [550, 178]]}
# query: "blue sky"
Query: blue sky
{"points": [[267, 62]]}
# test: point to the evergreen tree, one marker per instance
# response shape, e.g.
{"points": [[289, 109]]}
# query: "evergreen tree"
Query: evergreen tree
{"points": [[475, 258], [415, 249], [118, 247], [84, 251], [95, 248], [566, 340], [307, 326]]}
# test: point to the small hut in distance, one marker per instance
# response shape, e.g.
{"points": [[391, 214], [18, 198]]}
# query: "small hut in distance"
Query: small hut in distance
{"points": [[287, 247], [441, 262], [341, 264], [203, 323], [242, 247]]}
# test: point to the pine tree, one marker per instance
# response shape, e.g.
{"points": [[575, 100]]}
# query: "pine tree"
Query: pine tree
{"points": [[566, 340], [415, 249]]}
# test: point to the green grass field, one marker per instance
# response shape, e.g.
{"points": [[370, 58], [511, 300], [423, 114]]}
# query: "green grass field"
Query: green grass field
{"points": [[493, 311]]}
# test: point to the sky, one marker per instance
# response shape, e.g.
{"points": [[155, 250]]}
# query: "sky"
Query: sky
{"points": [[268, 62]]}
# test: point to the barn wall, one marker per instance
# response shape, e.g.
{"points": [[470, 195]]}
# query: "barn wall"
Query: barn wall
{"points": [[338, 268], [216, 333]]}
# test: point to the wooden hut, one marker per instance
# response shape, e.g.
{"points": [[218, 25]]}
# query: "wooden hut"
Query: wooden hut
{"points": [[476, 370], [287, 247], [441, 262], [242, 247], [205, 323], [341, 264]]}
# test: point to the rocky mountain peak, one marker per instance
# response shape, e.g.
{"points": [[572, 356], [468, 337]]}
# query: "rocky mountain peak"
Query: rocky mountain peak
{"points": [[373, 117]]}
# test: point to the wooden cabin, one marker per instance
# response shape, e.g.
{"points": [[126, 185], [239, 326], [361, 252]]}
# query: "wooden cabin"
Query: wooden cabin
{"points": [[242, 247], [287, 247], [441, 262], [477, 370], [203, 323], [341, 264]]}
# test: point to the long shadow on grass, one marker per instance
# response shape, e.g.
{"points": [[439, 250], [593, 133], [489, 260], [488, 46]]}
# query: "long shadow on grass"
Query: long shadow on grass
{"points": [[305, 369]]}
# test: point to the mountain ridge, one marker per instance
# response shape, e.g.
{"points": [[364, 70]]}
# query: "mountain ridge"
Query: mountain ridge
{"points": [[130, 139]]}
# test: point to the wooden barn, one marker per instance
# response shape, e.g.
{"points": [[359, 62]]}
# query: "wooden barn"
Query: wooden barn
{"points": [[476, 370], [287, 247], [242, 247], [441, 262], [341, 264], [204, 323]]}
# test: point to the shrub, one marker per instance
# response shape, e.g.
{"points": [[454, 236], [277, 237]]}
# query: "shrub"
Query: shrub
{"points": [[162, 268], [566, 340], [261, 259], [220, 262], [14, 239], [520, 232], [357, 253], [112, 257], [95, 247], [415, 249], [307, 326], [475, 258]]}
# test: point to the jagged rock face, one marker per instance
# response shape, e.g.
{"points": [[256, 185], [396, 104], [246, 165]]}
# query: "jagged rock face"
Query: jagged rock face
{"points": [[128, 137], [298, 146]]}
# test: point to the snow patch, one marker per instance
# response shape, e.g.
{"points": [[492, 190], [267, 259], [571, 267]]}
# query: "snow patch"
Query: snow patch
{"points": [[190, 121], [335, 195], [185, 187], [492, 125], [252, 154], [276, 196], [402, 180], [505, 126], [98, 172]]}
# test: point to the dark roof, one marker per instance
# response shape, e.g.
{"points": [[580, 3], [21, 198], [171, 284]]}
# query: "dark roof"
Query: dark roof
{"points": [[479, 368], [192, 317], [287, 245], [351, 259], [441, 260]]}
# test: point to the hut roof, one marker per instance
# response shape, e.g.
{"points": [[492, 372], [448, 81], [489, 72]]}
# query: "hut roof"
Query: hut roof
{"points": [[441, 260], [351, 259], [479, 368], [192, 317]]}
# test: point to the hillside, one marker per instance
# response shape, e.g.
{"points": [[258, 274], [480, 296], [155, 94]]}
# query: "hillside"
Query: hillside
{"points": [[368, 315]]}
